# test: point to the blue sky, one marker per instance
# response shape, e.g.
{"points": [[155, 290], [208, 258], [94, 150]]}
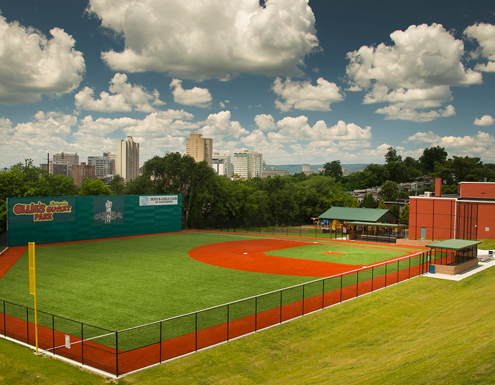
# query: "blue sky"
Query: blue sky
{"points": [[299, 81]]}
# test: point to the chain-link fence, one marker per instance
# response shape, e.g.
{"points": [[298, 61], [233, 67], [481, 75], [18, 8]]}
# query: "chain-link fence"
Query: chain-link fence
{"points": [[121, 352]]}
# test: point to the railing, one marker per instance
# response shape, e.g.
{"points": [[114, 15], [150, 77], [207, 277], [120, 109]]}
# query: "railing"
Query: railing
{"points": [[364, 235], [125, 351]]}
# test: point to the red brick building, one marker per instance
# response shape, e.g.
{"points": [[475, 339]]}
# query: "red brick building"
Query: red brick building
{"points": [[83, 172], [467, 215]]}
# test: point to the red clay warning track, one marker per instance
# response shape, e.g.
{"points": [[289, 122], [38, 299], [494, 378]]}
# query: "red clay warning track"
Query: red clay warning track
{"points": [[249, 255]]}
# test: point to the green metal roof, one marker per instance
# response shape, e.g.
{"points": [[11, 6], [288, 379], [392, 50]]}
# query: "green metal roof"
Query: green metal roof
{"points": [[359, 214], [453, 244], [375, 224]]}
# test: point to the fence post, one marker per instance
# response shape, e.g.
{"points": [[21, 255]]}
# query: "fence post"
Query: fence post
{"points": [[4, 321], [341, 287], [256, 314], [280, 306], [303, 300], [228, 321], [409, 276], [372, 277], [323, 296], [196, 334], [161, 325], [386, 264], [27, 325], [82, 343], [53, 333], [397, 271], [357, 284], [117, 354]]}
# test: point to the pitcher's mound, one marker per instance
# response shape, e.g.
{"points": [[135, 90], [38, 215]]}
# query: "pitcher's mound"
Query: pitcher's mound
{"points": [[333, 253]]}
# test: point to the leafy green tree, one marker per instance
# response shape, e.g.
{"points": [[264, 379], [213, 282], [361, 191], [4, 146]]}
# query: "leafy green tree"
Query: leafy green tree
{"points": [[177, 174], [141, 185], [26, 180], [93, 187], [333, 169], [395, 209], [404, 215], [432, 156], [369, 201], [392, 156], [389, 191], [382, 204], [355, 203], [117, 185]]}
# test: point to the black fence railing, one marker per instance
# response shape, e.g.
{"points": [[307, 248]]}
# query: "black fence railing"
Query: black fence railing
{"points": [[125, 351], [358, 233]]}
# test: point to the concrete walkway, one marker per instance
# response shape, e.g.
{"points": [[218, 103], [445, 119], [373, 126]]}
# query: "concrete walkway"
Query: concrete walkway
{"points": [[459, 277]]}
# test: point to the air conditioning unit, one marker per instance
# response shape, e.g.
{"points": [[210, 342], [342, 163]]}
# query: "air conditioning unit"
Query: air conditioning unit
{"points": [[429, 194]]}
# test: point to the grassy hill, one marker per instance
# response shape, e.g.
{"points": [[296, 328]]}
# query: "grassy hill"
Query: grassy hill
{"points": [[423, 331]]}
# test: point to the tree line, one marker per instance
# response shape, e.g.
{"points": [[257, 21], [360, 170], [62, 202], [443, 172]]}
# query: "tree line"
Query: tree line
{"points": [[210, 200]]}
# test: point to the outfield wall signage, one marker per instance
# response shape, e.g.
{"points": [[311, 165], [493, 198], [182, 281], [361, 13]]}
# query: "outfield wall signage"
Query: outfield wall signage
{"points": [[42, 210], [67, 219], [158, 200], [107, 211]]}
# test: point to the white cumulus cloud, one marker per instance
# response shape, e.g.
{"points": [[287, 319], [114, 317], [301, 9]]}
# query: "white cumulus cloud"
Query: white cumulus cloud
{"points": [[265, 122], [412, 75], [485, 120], [46, 132], [209, 39], [32, 65], [302, 95], [125, 97], [485, 35], [198, 97], [218, 125]]}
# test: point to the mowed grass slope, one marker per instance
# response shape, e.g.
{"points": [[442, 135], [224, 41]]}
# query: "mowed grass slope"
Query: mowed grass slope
{"points": [[422, 331]]}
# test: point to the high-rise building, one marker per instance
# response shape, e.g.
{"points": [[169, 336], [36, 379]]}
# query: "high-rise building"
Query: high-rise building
{"points": [[66, 158], [305, 167], [112, 156], [58, 168], [103, 164], [222, 165], [248, 164], [127, 159], [199, 148]]}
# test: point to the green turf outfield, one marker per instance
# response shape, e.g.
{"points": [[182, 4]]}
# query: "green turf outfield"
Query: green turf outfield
{"points": [[119, 284]]}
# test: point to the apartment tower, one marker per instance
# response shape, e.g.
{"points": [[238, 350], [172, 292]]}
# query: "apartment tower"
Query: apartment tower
{"points": [[127, 159], [199, 148]]}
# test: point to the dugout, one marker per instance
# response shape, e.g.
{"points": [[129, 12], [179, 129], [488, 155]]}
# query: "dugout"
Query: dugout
{"points": [[377, 232], [78, 218], [365, 224], [453, 256]]}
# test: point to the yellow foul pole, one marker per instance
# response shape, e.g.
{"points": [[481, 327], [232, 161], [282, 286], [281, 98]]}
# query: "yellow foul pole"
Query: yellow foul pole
{"points": [[32, 287]]}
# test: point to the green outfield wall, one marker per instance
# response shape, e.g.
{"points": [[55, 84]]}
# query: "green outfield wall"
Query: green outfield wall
{"points": [[65, 219]]}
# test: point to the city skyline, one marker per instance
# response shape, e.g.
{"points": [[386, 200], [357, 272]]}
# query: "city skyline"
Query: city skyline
{"points": [[298, 81]]}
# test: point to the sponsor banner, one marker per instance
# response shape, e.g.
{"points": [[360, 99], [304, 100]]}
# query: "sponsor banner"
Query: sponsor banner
{"points": [[108, 211], [41, 210], [158, 200]]}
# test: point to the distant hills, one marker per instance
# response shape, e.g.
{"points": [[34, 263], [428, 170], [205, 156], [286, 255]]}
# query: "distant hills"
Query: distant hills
{"points": [[295, 168]]}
